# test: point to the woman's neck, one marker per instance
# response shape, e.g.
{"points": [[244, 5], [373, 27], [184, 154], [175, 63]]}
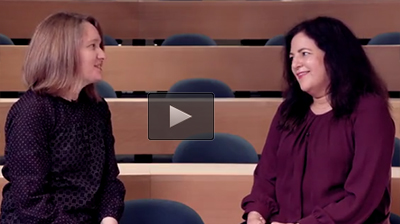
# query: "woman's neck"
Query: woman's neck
{"points": [[71, 94], [321, 105]]}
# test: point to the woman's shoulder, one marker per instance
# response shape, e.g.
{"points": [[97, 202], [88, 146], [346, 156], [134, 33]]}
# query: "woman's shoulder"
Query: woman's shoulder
{"points": [[101, 107], [371, 103], [371, 107], [31, 103]]}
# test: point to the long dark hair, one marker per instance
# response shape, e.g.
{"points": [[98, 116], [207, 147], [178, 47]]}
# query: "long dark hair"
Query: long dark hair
{"points": [[350, 72]]}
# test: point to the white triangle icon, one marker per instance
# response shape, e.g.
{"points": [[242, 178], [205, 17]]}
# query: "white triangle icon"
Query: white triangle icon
{"points": [[177, 116]]}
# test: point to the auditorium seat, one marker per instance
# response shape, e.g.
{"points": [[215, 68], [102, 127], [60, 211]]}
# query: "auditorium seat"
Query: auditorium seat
{"points": [[189, 39], [109, 41], [278, 40], [4, 40], [156, 211], [197, 85], [392, 38], [105, 90], [202, 85], [394, 219], [225, 148]]}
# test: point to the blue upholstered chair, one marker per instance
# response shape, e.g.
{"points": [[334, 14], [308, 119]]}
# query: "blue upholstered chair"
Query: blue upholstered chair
{"points": [[278, 40], [109, 41], [202, 85], [196, 85], [157, 211], [4, 40], [392, 38], [189, 39], [225, 148], [105, 90], [394, 219]]}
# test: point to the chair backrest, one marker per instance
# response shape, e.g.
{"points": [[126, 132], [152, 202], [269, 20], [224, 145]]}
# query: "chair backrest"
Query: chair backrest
{"points": [[105, 90], [394, 219], [4, 40], [109, 41], [189, 39], [203, 85], [225, 148], [156, 211], [278, 40], [392, 38]]}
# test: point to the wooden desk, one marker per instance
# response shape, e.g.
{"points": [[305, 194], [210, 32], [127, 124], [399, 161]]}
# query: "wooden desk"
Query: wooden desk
{"points": [[214, 191], [158, 68], [248, 118], [19, 20], [217, 19], [261, 19]]}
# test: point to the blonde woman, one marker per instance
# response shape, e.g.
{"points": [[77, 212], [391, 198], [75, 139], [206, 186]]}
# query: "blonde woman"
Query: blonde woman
{"points": [[59, 154]]}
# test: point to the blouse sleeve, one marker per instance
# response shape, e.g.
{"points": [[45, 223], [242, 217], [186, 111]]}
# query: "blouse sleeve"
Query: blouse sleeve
{"points": [[262, 196], [374, 133], [28, 161], [113, 191]]}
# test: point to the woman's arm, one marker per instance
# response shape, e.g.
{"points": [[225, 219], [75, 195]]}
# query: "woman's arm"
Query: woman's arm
{"points": [[113, 190], [27, 163], [262, 196]]}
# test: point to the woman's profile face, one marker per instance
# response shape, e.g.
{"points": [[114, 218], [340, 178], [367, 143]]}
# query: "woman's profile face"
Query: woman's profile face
{"points": [[91, 55], [308, 65]]}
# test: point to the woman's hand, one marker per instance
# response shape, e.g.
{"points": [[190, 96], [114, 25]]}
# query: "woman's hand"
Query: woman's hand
{"points": [[109, 220], [283, 223], [255, 218]]}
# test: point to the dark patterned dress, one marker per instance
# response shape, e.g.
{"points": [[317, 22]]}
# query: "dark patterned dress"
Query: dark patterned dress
{"points": [[60, 162]]}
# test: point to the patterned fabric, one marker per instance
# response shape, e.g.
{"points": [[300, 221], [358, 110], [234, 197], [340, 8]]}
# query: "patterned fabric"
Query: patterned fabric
{"points": [[60, 162]]}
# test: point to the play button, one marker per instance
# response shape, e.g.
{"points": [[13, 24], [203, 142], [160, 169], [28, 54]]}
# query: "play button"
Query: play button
{"points": [[181, 116], [177, 116]]}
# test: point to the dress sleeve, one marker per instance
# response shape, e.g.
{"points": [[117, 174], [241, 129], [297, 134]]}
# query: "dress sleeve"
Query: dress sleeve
{"points": [[27, 160], [374, 133], [262, 196], [113, 190]]}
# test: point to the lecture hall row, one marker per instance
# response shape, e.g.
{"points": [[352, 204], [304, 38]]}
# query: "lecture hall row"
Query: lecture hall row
{"points": [[239, 19], [242, 117], [129, 68], [203, 187], [241, 68]]}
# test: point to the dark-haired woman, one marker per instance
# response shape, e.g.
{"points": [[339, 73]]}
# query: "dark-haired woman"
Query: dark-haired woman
{"points": [[327, 157]]}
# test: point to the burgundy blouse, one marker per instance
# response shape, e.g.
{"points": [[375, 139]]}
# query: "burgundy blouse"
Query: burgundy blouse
{"points": [[327, 171]]}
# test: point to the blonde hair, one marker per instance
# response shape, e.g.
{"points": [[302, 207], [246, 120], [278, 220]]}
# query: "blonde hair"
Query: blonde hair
{"points": [[52, 59]]}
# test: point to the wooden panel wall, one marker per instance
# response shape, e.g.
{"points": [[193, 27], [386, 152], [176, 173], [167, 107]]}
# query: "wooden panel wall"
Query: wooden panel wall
{"points": [[218, 19]]}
